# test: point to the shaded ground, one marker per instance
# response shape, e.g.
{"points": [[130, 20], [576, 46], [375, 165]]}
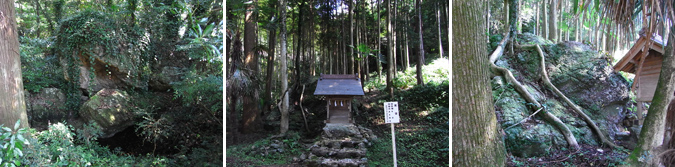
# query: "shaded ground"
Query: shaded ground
{"points": [[588, 155]]}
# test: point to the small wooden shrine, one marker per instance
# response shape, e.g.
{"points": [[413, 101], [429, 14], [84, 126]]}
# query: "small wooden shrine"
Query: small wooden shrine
{"points": [[644, 60], [339, 90]]}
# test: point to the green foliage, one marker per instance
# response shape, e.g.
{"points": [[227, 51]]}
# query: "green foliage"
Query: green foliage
{"points": [[152, 129], [256, 154], [205, 91], [37, 69], [58, 146], [12, 145], [428, 96]]}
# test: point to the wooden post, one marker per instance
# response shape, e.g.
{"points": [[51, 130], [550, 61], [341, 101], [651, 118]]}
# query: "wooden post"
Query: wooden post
{"points": [[393, 143], [328, 111]]}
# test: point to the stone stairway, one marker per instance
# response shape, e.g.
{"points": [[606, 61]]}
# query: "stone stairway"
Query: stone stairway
{"points": [[341, 144]]}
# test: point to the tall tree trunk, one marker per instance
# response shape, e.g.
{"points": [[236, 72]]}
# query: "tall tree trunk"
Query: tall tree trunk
{"points": [[394, 37], [536, 24], [251, 121], [270, 68], [552, 22], [544, 24], [420, 58], [438, 19], [284, 69], [476, 137], [12, 103], [390, 55], [407, 46], [652, 133], [351, 37], [299, 47], [379, 42]]}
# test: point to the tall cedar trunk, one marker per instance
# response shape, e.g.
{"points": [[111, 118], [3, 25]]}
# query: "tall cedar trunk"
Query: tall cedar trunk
{"points": [[552, 22], [393, 37], [284, 69], [270, 68], [420, 58], [476, 140], [536, 16], [351, 37], [651, 135], [250, 120], [299, 47], [438, 19], [379, 43], [12, 104], [407, 47], [390, 57], [544, 24]]}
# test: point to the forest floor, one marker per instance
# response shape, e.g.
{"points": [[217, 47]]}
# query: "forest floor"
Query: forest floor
{"points": [[588, 155]]}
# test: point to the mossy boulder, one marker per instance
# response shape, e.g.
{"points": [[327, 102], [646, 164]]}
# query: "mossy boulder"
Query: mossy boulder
{"points": [[582, 74], [111, 109], [97, 52], [49, 104]]}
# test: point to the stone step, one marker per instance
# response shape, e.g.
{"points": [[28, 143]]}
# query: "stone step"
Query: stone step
{"points": [[339, 153], [346, 162], [346, 143]]}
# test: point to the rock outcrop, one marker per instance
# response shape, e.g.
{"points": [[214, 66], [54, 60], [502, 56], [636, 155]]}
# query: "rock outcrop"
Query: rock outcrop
{"points": [[109, 108], [582, 74]]}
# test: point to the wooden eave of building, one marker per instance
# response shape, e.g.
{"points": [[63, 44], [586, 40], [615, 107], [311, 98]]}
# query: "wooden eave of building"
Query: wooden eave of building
{"points": [[336, 84], [629, 63]]}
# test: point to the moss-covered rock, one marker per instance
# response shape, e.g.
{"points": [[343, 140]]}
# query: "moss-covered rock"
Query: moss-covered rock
{"points": [[582, 74], [97, 52], [47, 105], [111, 109]]}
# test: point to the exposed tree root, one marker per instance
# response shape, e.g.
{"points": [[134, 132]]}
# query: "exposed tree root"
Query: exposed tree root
{"points": [[576, 108], [571, 140]]}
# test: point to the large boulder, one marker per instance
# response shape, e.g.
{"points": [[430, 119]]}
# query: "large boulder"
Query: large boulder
{"points": [[582, 74], [95, 59], [49, 104], [111, 109]]}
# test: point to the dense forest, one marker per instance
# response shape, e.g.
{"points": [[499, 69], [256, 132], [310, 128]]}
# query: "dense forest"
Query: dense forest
{"points": [[563, 83], [111, 83], [279, 51]]}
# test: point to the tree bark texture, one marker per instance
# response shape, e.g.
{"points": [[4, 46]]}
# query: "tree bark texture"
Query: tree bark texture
{"points": [[476, 139], [284, 69], [651, 135], [420, 58], [270, 68], [390, 56], [251, 120], [12, 104], [552, 22]]}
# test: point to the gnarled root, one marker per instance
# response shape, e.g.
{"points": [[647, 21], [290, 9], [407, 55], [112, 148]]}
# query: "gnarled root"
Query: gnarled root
{"points": [[571, 140], [576, 108]]}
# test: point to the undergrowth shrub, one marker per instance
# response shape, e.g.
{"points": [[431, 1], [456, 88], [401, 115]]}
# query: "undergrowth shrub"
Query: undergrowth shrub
{"points": [[262, 153], [428, 96], [59, 146], [11, 145]]}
